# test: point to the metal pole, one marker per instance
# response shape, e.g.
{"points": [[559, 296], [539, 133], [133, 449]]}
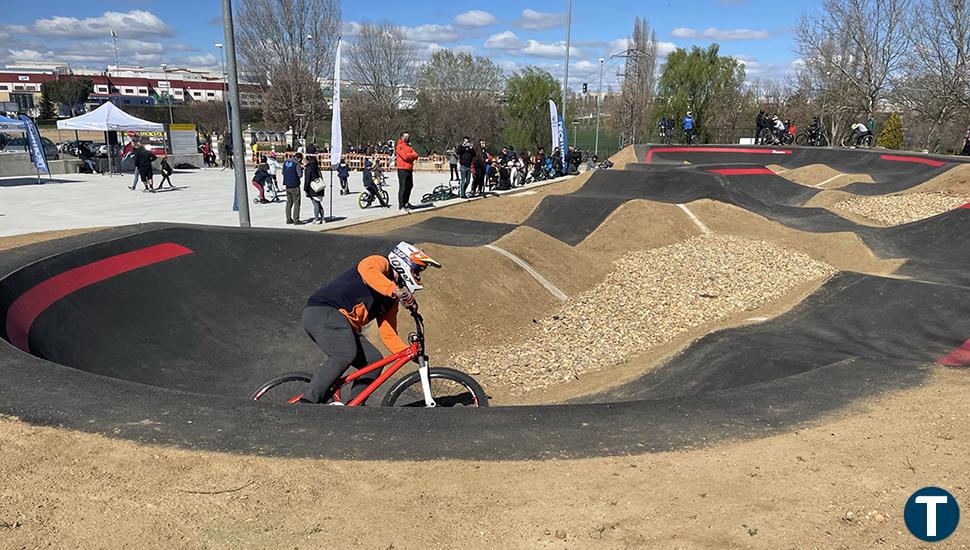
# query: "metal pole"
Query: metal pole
{"points": [[599, 99], [239, 158], [565, 78]]}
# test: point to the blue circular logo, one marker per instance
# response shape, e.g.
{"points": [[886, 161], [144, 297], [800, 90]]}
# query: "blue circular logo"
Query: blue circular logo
{"points": [[931, 514]]}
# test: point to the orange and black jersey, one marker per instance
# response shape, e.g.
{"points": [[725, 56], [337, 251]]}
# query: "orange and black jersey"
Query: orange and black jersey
{"points": [[362, 294]]}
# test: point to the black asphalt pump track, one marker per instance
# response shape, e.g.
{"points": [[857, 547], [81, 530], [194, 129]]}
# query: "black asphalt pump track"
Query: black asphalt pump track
{"points": [[157, 333]]}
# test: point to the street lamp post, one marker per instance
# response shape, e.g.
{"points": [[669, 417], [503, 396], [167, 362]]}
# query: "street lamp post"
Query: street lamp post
{"points": [[565, 78], [239, 158], [312, 122], [599, 99], [168, 94]]}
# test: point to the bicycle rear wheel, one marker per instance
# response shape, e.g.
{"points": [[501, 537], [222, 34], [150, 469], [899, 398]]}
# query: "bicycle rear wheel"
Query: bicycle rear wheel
{"points": [[801, 139], [867, 141], [282, 389], [449, 388]]}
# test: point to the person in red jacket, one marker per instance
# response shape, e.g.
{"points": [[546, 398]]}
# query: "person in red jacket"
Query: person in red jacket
{"points": [[405, 170]]}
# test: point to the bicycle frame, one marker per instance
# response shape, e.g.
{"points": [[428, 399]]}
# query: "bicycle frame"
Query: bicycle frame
{"points": [[414, 350]]}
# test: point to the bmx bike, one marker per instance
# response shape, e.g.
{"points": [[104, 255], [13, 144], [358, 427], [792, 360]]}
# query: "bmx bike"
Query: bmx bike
{"points": [[271, 190], [426, 387], [442, 192], [366, 198]]}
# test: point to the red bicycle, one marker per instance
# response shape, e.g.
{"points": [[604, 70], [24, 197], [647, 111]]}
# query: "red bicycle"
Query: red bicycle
{"points": [[426, 387]]}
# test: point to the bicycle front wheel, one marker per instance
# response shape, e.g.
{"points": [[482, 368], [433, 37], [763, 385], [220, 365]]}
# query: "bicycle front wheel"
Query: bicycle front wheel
{"points": [[449, 388], [364, 200], [282, 389]]}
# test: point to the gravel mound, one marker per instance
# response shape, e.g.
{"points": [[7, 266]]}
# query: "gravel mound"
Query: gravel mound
{"points": [[900, 209], [649, 298]]}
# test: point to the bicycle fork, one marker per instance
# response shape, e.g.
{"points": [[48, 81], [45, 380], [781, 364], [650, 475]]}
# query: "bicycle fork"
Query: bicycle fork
{"points": [[425, 381]]}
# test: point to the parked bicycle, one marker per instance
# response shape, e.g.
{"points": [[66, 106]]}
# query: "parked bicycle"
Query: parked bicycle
{"points": [[811, 138], [425, 387], [442, 192]]}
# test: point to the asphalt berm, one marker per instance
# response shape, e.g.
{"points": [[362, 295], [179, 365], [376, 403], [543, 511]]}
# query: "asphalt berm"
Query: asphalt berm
{"points": [[157, 333]]}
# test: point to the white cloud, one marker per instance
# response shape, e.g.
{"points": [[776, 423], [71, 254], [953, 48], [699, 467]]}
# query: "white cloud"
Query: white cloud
{"points": [[620, 45], [432, 33], [536, 20], [30, 55], [664, 48], [207, 60], [147, 58], [465, 48], [350, 28], [585, 66], [474, 18], [712, 33], [504, 41], [545, 49], [133, 24]]}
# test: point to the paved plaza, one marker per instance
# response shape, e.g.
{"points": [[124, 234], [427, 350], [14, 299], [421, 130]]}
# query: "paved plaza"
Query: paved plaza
{"points": [[203, 196]]}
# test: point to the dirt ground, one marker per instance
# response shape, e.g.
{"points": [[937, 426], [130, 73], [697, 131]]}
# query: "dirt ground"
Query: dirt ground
{"points": [[838, 483]]}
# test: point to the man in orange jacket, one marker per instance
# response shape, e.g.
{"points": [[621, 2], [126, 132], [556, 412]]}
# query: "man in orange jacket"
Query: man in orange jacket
{"points": [[405, 170]]}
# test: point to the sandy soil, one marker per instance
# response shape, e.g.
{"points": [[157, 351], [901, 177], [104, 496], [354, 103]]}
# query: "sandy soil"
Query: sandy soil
{"points": [[956, 180], [839, 484]]}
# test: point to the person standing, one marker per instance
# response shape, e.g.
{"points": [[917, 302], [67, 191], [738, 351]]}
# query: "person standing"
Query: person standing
{"points": [[405, 170], [480, 164], [466, 155], [291, 181], [166, 173], [343, 174], [966, 143], [761, 122], [452, 165], [143, 167], [227, 162], [311, 173]]}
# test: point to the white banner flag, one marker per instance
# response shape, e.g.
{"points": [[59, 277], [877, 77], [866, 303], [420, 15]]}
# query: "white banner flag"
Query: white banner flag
{"points": [[336, 135], [554, 118]]}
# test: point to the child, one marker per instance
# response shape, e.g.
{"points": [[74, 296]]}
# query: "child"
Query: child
{"points": [[166, 172], [260, 179]]}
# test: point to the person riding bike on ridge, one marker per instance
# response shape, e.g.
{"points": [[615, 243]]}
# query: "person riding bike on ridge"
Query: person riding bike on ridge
{"points": [[859, 131], [778, 127], [337, 312]]}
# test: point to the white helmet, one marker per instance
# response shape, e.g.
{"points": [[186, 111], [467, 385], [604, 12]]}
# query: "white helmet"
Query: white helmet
{"points": [[409, 262]]}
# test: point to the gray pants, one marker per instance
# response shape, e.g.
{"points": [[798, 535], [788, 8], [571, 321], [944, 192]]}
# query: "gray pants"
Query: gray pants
{"points": [[343, 347], [293, 204], [466, 176]]}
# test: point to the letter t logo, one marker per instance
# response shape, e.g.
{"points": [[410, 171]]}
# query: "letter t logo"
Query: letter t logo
{"points": [[931, 502]]}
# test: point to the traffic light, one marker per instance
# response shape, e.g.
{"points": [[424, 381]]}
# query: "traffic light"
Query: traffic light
{"points": [[585, 88]]}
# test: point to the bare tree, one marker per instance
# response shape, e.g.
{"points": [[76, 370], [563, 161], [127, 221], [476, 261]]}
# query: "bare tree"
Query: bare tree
{"points": [[277, 34], [458, 96], [382, 63], [864, 42], [631, 114], [289, 44], [941, 39]]}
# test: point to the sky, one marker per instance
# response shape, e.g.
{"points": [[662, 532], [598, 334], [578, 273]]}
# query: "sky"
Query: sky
{"points": [[514, 34]]}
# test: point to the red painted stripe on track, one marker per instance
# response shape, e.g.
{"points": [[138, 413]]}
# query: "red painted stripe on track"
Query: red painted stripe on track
{"points": [[931, 162], [26, 308], [958, 357], [715, 150], [741, 171], [966, 205]]}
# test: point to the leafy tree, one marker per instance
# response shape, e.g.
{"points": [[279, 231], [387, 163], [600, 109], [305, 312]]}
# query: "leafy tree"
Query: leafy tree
{"points": [[703, 82], [891, 136], [527, 95], [47, 107], [458, 96], [72, 93]]}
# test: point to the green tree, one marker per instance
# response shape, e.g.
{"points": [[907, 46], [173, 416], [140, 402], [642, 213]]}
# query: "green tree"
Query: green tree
{"points": [[527, 95], [47, 107], [72, 93], [891, 136], [458, 96], [703, 82]]}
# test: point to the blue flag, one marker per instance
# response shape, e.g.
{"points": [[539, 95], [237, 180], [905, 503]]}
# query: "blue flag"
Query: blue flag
{"points": [[36, 145], [562, 142]]}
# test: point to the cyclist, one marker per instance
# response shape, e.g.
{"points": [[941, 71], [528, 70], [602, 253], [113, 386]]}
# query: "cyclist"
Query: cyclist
{"points": [[335, 315], [779, 129], [859, 131], [689, 127]]}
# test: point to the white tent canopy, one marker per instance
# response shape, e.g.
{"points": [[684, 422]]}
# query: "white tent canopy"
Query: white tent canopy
{"points": [[108, 118]]}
